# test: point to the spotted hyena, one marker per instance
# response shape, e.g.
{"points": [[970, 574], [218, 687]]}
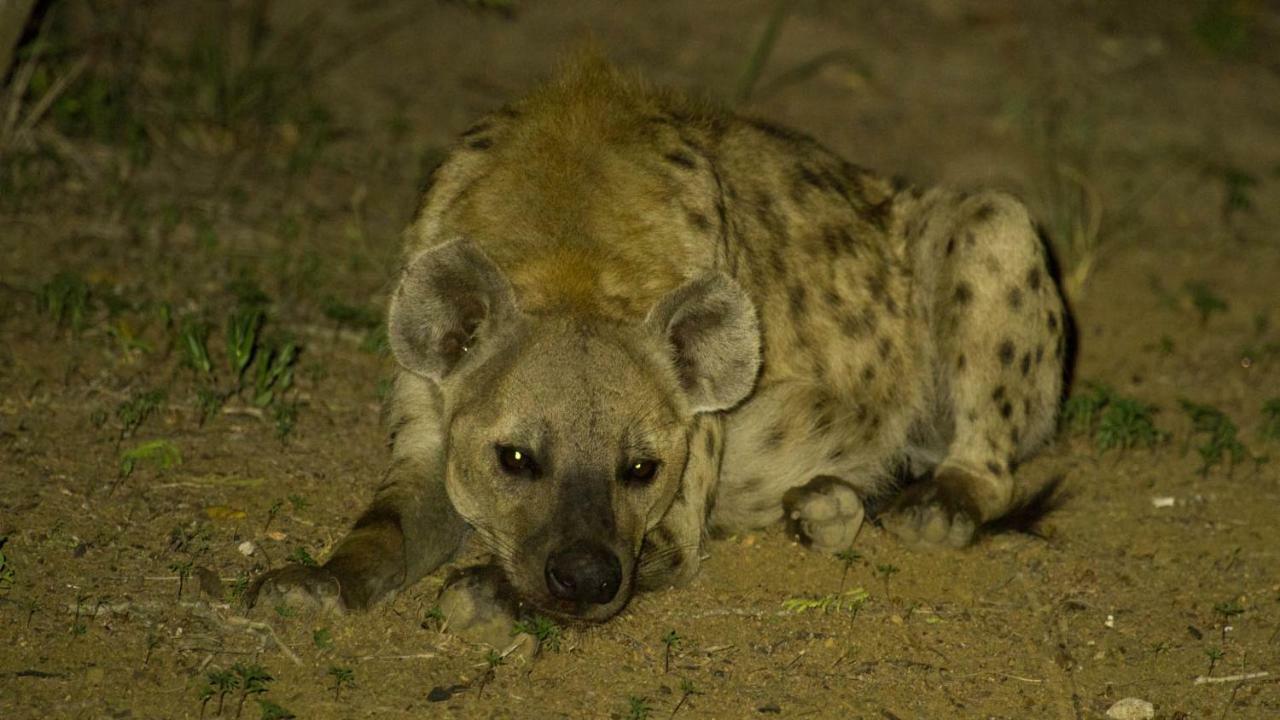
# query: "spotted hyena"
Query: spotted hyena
{"points": [[626, 318]]}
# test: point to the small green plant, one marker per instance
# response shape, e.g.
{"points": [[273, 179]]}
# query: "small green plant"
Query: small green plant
{"points": [[274, 372], [886, 571], [1215, 654], [434, 618], [847, 558], [670, 642], [272, 711], [543, 629], [285, 416], [492, 660], [209, 401], [638, 708], [323, 639], [1126, 423], [272, 511], [65, 299], [243, 326], [252, 679], [133, 412], [183, 570], [238, 587], [193, 336], [163, 454], [220, 683], [284, 611], [848, 601], [78, 628], [298, 502], [1220, 441], [1113, 421], [302, 557], [1271, 420], [342, 677], [687, 690], [1205, 301], [7, 575]]}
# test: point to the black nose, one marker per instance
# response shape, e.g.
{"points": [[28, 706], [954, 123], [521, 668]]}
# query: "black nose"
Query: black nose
{"points": [[584, 572]]}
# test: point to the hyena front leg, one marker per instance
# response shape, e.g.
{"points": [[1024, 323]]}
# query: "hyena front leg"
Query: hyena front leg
{"points": [[410, 529], [671, 552], [998, 329]]}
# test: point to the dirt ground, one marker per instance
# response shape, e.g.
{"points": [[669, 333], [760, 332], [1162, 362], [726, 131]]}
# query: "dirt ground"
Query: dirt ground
{"points": [[198, 168]]}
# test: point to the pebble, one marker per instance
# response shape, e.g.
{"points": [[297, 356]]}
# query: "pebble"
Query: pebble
{"points": [[1132, 709], [246, 548]]}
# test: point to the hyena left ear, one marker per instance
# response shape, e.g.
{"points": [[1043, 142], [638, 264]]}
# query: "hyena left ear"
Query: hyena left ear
{"points": [[710, 326], [450, 298]]}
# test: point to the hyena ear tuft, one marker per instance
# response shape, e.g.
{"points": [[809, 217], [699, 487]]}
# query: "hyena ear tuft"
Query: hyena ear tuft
{"points": [[710, 327], [450, 298]]}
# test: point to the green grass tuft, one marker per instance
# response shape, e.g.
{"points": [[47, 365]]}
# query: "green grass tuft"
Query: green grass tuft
{"points": [[1220, 437]]}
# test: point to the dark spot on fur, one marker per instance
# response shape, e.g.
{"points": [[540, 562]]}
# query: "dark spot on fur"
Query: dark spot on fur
{"points": [[1015, 298], [1033, 278], [680, 158], [972, 416], [752, 484], [1053, 322], [951, 244], [699, 220], [1026, 364], [886, 348], [998, 394], [1005, 352], [963, 294], [711, 443], [868, 373], [985, 212], [778, 132], [832, 299], [477, 128], [1006, 410], [994, 467], [960, 361], [1039, 353], [857, 324], [1026, 406], [1014, 436], [836, 453], [775, 437]]}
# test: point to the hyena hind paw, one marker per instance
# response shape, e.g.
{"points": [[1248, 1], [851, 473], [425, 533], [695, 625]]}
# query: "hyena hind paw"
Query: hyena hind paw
{"points": [[826, 514], [937, 512], [298, 586]]}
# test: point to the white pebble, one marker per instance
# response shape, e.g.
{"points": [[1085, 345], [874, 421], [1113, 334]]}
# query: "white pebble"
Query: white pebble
{"points": [[1132, 709], [1162, 502], [246, 548]]}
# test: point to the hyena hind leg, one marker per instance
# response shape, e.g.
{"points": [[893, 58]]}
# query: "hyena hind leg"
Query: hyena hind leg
{"points": [[998, 330]]}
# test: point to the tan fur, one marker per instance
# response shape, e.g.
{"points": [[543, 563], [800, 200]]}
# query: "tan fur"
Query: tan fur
{"points": [[896, 328]]}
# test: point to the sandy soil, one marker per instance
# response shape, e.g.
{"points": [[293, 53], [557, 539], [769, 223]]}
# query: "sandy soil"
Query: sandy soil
{"points": [[1144, 576]]}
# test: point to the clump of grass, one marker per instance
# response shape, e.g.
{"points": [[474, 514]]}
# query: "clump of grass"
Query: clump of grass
{"points": [[252, 680], [193, 337], [687, 690], [1113, 421], [183, 570], [302, 557], [1220, 437], [219, 683], [847, 558], [8, 576], [547, 633], [342, 677], [1271, 420], [133, 412], [272, 711], [164, 455], [638, 708], [670, 641], [65, 299], [323, 638], [1205, 301], [847, 601]]}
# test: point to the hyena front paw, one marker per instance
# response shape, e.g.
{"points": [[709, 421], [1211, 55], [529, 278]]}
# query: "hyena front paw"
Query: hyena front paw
{"points": [[939, 511], [826, 514], [300, 586], [479, 606]]}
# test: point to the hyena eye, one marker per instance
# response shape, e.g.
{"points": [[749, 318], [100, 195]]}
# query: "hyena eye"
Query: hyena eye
{"points": [[640, 471], [517, 461]]}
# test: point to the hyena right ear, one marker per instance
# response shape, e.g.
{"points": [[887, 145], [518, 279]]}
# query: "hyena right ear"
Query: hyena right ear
{"points": [[450, 298]]}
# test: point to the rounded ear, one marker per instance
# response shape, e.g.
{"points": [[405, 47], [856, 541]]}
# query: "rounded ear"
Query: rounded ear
{"points": [[450, 299], [709, 325]]}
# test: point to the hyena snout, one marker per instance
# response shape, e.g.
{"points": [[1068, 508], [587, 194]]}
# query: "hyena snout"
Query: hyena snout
{"points": [[584, 572]]}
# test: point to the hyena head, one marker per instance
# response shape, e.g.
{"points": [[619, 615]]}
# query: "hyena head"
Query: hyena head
{"points": [[566, 434]]}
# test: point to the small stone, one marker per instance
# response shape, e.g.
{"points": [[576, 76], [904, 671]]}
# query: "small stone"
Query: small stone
{"points": [[1132, 709], [246, 548], [770, 709]]}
